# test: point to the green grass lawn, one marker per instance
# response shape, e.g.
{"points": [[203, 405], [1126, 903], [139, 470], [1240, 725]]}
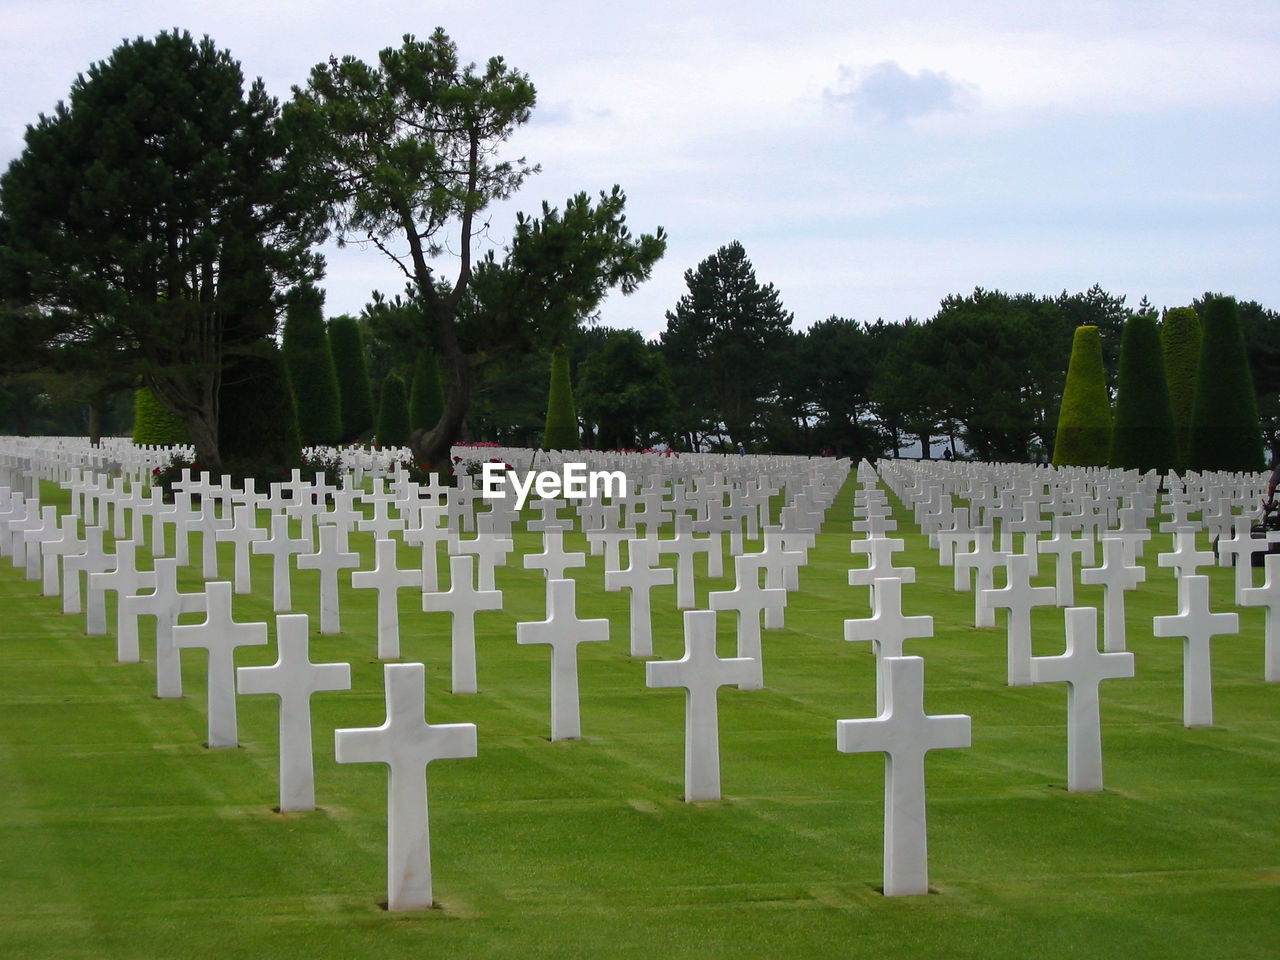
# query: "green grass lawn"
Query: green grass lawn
{"points": [[121, 835]]}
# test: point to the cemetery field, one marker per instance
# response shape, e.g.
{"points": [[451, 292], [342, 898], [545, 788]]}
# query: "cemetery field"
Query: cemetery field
{"points": [[123, 836]]}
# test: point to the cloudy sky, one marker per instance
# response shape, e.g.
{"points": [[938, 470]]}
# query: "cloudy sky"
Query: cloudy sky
{"points": [[872, 157]]}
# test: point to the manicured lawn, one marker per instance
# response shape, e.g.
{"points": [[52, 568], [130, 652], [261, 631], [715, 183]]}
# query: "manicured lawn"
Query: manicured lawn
{"points": [[121, 835]]}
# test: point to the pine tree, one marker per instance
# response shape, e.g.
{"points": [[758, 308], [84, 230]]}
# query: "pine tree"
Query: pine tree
{"points": [[561, 432], [355, 396], [311, 371], [426, 396], [393, 413], [1225, 431], [1084, 421], [1144, 437], [1180, 338]]}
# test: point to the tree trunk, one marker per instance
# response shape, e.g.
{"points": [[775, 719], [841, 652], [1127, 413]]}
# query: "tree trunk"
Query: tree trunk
{"points": [[435, 446]]}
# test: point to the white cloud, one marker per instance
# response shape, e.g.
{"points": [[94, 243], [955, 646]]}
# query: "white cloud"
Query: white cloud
{"points": [[886, 92]]}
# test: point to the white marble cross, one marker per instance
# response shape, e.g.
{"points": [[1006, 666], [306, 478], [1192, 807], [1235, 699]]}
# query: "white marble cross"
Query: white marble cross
{"points": [[1116, 576], [887, 629], [490, 552], [1197, 626], [427, 533], [553, 561], [904, 733], [702, 673], [294, 678], [406, 743], [1238, 549], [1083, 668], [1268, 595], [125, 580], [1065, 547], [243, 533], [166, 604], [1019, 597], [94, 559], [220, 635], [281, 547], [1184, 558], [388, 580], [983, 560], [63, 543], [639, 577], [463, 601], [563, 632], [749, 599], [329, 558], [685, 545], [879, 551]]}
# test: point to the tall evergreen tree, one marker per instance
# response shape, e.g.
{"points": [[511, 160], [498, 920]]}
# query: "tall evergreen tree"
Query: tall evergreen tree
{"points": [[156, 216], [561, 432], [1180, 340], [426, 394], [311, 372], [393, 413], [355, 396], [720, 342], [258, 421], [1144, 437], [1084, 420], [1225, 431]]}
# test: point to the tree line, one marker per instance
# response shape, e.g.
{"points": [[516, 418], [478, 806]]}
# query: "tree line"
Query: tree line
{"points": [[158, 233]]}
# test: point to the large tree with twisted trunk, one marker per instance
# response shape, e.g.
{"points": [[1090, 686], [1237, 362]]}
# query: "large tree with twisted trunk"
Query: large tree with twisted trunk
{"points": [[409, 150]]}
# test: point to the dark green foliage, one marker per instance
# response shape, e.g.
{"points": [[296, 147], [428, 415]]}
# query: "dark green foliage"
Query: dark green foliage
{"points": [[355, 397], [156, 214], [1180, 340], [1144, 437], [721, 344], [393, 413], [153, 425], [311, 371], [561, 432], [1225, 431], [258, 425], [1084, 422], [624, 390], [426, 395]]}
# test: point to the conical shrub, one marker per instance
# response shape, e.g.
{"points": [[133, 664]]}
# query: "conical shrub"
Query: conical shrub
{"points": [[355, 397], [1180, 340], [310, 364], [1143, 437], [561, 432], [1225, 431], [393, 413], [1084, 422]]}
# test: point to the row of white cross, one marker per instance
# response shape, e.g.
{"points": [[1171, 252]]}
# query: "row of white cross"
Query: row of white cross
{"points": [[901, 729]]}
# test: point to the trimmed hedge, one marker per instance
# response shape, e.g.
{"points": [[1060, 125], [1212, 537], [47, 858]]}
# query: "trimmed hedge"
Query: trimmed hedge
{"points": [[311, 372], [355, 395], [1225, 431], [153, 424], [561, 432], [1144, 437], [1084, 421], [1180, 339], [393, 413]]}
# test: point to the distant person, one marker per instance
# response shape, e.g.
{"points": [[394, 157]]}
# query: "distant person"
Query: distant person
{"points": [[1272, 484], [742, 449]]}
